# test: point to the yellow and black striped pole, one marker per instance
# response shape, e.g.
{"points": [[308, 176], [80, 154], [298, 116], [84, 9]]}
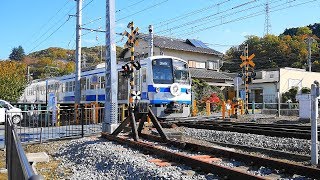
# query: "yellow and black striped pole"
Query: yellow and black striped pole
{"points": [[247, 80], [131, 101]]}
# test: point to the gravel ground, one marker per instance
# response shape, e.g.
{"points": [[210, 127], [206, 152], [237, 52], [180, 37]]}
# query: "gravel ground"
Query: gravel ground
{"points": [[292, 145], [94, 158]]}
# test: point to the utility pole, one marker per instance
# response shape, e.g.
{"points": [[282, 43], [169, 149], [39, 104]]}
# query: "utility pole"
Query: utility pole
{"points": [[28, 73], [150, 40], [77, 92], [309, 41], [314, 123], [111, 103]]}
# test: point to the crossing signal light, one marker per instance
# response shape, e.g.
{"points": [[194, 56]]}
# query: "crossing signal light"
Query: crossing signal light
{"points": [[136, 65], [127, 69], [253, 75]]}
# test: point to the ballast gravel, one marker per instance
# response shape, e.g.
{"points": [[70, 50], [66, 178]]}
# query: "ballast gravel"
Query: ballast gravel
{"points": [[292, 145], [92, 158]]}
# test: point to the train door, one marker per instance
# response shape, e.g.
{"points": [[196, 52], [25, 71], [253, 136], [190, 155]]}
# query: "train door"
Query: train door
{"points": [[83, 85], [144, 85]]}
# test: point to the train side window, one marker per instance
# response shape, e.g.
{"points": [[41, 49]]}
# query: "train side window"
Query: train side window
{"points": [[73, 85], [88, 83], [103, 82], [144, 74]]}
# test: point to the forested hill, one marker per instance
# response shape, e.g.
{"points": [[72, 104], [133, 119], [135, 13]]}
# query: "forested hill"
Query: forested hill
{"points": [[58, 61], [289, 49]]}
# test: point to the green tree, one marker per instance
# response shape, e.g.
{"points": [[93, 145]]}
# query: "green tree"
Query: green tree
{"points": [[12, 80], [17, 54]]}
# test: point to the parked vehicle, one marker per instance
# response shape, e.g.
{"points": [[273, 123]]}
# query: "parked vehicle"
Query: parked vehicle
{"points": [[15, 114]]}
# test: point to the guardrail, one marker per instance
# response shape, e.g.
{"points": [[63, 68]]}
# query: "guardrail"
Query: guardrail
{"points": [[16, 161]]}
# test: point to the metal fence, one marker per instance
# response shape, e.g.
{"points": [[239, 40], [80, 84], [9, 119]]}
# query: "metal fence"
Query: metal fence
{"points": [[38, 125], [16, 161]]}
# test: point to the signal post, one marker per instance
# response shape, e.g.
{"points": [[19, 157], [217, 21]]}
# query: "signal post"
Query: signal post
{"points": [[246, 63], [136, 110]]}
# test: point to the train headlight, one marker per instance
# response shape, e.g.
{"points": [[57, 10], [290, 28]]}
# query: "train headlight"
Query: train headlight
{"points": [[157, 89], [175, 89], [188, 91]]}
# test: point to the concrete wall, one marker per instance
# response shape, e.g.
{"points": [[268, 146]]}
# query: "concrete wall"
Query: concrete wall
{"points": [[292, 77], [269, 91]]}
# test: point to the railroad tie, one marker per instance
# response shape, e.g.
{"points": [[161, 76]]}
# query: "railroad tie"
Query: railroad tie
{"points": [[160, 162], [206, 158]]}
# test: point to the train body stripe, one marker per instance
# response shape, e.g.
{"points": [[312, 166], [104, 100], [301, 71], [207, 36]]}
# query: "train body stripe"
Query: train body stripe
{"points": [[151, 88], [168, 101], [101, 97]]}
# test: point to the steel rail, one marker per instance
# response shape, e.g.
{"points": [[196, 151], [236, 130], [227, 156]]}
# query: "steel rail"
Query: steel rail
{"points": [[269, 131], [225, 172], [291, 168]]}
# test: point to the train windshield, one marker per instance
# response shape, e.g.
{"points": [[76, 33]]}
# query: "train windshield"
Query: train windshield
{"points": [[180, 72], [168, 71]]}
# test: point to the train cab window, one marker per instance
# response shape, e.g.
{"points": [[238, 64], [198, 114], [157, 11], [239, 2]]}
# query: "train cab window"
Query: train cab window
{"points": [[162, 71]]}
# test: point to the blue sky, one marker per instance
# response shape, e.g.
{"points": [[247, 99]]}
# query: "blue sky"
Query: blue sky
{"points": [[39, 24]]}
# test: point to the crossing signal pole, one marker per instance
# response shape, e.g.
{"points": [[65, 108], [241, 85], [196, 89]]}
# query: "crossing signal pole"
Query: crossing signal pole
{"points": [[129, 72], [246, 63], [134, 109]]}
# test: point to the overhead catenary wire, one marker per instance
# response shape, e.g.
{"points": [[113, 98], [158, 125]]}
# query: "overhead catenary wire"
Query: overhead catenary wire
{"points": [[48, 21], [208, 17], [119, 10], [247, 16], [142, 10], [67, 14], [183, 16]]}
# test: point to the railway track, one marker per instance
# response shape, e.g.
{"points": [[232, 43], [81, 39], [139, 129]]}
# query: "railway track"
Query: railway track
{"points": [[276, 130], [153, 144]]}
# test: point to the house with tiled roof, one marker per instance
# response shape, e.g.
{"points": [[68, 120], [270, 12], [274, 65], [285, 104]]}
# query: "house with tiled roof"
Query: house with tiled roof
{"points": [[204, 62]]}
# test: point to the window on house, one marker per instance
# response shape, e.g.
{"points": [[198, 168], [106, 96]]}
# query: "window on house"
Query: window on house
{"points": [[195, 64], [214, 65]]}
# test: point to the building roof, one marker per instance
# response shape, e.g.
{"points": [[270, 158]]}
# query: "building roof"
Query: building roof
{"points": [[208, 74], [180, 44]]}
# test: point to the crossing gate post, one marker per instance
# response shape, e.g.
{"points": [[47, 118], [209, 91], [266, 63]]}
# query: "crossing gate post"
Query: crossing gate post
{"points": [[223, 109], [208, 108]]}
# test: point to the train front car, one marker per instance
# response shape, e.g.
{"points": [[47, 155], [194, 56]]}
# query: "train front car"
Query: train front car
{"points": [[169, 87]]}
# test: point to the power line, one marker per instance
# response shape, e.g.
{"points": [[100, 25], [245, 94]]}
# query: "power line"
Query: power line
{"points": [[142, 10], [208, 17], [47, 22], [183, 16], [67, 14], [58, 27], [49, 35], [129, 6], [248, 16]]}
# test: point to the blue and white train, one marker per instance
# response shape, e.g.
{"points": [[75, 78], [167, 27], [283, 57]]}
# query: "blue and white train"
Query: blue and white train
{"points": [[164, 83]]}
